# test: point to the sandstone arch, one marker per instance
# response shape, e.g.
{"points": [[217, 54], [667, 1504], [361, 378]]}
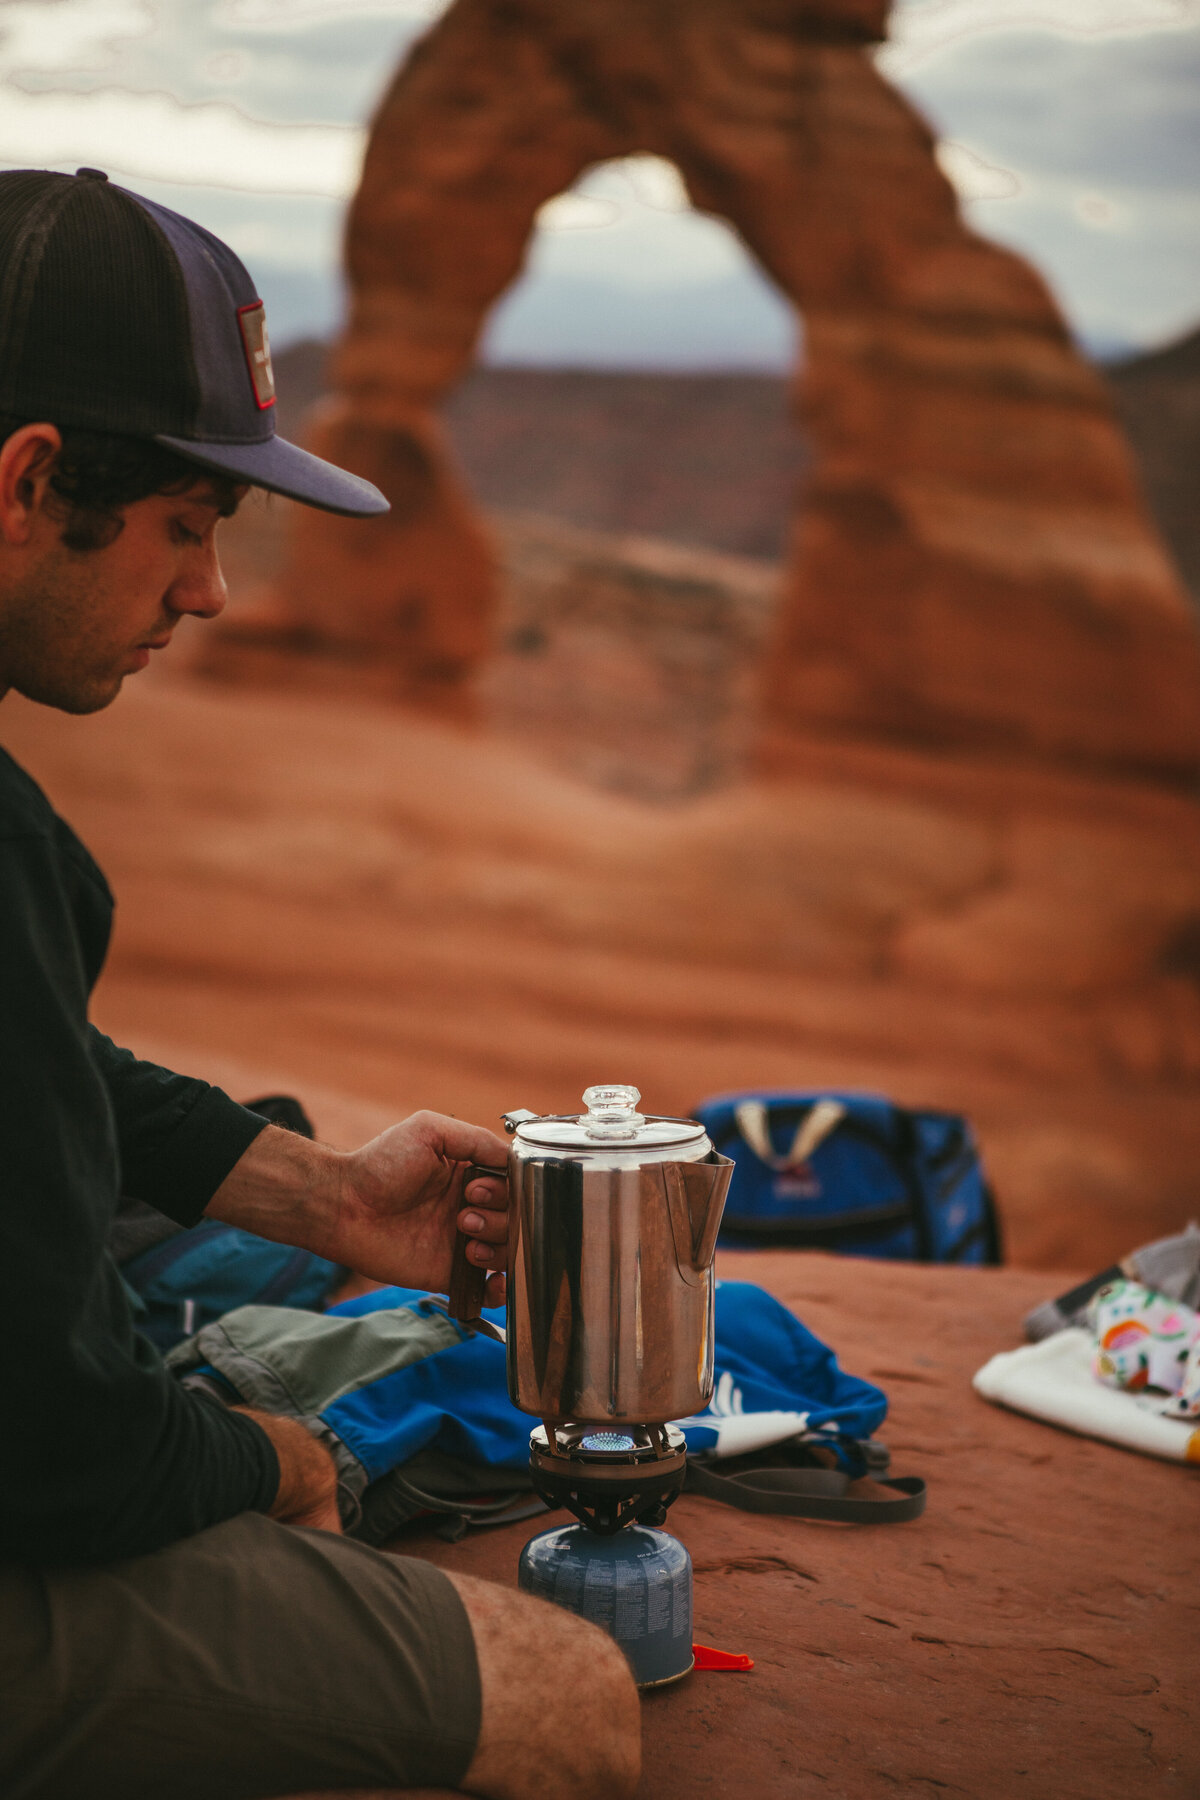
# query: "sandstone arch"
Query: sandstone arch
{"points": [[973, 565]]}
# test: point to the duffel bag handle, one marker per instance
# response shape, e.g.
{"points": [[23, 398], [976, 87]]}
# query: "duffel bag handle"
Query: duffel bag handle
{"points": [[808, 1494], [753, 1122]]}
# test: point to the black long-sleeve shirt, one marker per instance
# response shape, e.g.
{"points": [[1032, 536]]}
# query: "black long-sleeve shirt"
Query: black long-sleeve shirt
{"points": [[102, 1454]]}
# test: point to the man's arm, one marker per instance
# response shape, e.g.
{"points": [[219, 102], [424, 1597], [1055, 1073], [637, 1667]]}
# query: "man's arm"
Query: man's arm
{"points": [[390, 1210], [178, 1137], [307, 1491]]}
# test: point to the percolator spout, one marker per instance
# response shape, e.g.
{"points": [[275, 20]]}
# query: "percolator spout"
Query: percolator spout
{"points": [[696, 1194]]}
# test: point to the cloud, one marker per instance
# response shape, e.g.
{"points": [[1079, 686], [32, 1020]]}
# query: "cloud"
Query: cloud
{"points": [[973, 177], [1099, 135], [1120, 111], [1125, 266], [619, 189], [577, 212], [294, 240], [50, 35], [152, 137], [290, 61], [286, 15], [606, 230], [656, 183], [919, 30], [1100, 212], [738, 321]]}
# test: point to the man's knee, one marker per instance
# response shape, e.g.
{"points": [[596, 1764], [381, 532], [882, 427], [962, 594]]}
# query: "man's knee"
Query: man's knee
{"points": [[561, 1718]]}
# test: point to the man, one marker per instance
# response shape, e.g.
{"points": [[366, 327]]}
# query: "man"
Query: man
{"points": [[179, 1614]]}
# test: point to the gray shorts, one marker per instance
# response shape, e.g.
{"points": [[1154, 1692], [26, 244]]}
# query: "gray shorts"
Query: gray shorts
{"points": [[253, 1659]]}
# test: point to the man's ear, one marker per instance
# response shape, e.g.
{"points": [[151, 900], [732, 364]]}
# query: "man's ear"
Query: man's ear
{"points": [[27, 460]]}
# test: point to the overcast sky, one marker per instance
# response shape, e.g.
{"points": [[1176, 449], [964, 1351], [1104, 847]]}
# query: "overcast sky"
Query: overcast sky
{"points": [[1071, 129]]}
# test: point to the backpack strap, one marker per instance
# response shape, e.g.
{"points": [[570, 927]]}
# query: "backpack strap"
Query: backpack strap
{"points": [[807, 1493], [753, 1122], [395, 1500], [504, 1508]]}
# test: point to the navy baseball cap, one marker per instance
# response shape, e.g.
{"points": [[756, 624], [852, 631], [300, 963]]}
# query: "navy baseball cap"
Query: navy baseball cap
{"points": [[119, 315]]}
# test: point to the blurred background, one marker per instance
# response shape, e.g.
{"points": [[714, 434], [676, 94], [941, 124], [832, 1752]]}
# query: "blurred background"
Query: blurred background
{"points": [[780, 667]]}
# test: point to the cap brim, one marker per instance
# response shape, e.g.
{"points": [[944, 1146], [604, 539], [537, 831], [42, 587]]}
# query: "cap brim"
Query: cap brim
{"points": [[284, 468]]}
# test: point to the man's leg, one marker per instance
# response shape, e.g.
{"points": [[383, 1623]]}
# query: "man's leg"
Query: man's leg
{"points": [[561, 1716], [257, 1659]]}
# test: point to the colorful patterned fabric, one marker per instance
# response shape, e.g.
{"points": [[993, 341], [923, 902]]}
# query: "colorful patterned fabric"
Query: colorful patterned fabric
{"points": [[1144, 1339]]}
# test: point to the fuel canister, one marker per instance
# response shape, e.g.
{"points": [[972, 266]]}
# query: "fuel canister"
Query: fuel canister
{"points": [[636, 1585]]}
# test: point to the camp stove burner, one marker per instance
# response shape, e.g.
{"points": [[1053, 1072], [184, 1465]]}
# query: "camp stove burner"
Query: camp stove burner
{"points": [[609, 1477]]}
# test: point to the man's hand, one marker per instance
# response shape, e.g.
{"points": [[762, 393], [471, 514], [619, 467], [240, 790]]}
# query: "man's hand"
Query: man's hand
{"points": [[390, 1210], [307, 1492], [401, 1201]]}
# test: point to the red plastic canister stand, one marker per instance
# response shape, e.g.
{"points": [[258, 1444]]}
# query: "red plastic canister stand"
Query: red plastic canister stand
{"points": [[707, 1658]]}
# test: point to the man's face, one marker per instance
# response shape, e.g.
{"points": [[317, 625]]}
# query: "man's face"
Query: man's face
{"points": [[74, 623]]}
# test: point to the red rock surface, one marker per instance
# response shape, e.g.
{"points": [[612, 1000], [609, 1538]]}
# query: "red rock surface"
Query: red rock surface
{"points": [[406, 914], [1158, 403], [398, 605], [380, 912], [1031, 1637], [632, 662], [973, 563]]}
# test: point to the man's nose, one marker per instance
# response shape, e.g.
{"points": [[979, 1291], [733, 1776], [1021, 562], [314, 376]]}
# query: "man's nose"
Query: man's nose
{"points": [[199, 588]]}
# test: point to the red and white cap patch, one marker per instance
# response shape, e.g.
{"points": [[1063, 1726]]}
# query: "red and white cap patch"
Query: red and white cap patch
{"points": [[252, 323]]}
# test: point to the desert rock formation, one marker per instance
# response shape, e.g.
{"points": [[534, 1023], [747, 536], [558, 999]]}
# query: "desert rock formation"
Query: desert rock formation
{"points": [[717, 459], [1000, 914], [973, 565]]}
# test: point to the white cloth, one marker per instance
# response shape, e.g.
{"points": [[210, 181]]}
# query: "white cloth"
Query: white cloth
{"points": [[1053, 1380]]}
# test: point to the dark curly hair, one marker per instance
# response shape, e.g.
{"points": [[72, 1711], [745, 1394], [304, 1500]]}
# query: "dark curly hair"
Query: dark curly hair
{"points": [[98, 473]]}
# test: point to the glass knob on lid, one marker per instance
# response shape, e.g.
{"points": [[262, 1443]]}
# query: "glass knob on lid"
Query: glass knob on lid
{"points": [[611, 1112]]}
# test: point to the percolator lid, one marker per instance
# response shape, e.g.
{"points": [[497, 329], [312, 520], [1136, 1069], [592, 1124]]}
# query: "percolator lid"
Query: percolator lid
{"points": [[611, 1123]]}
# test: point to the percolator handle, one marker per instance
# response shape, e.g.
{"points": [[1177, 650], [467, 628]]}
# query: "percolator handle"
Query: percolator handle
{"points": [[468, 1281], [468, 1284]]}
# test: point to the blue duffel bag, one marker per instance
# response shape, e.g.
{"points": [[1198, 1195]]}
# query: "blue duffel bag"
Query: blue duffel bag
{"points": [[194, 1277], [852, 1173]]}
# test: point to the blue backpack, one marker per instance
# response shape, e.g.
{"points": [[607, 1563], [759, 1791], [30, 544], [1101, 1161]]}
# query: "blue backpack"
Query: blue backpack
{"points": [[180, 1281], [195, 1277], [416, 1411], [852, 1173]]}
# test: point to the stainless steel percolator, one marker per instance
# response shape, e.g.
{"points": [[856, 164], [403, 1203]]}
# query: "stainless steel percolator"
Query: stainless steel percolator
{"points": [[613, 1219]]}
